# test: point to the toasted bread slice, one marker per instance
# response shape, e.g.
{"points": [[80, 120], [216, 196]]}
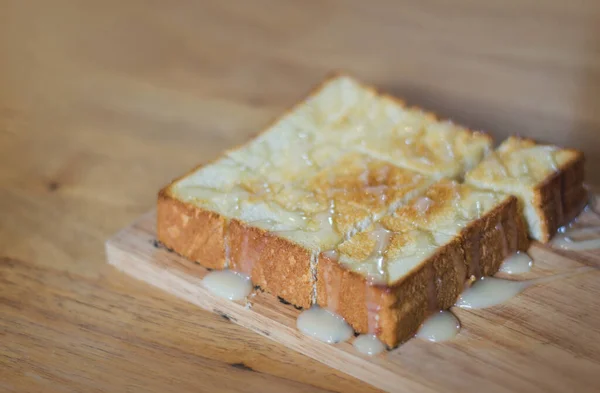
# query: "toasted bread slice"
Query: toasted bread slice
{"points": [[306, 183], [388, 278], [547, 180]]}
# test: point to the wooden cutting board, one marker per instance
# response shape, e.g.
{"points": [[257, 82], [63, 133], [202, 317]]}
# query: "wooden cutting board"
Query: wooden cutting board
{"points": [[547, 339]]}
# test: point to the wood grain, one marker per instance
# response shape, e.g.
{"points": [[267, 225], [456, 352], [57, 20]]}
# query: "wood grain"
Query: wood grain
{"points": [[102, 103], [517, 346]]}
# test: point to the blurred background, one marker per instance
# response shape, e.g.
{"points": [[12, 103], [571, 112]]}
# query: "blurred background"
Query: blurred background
{"points": [[159, 86]]}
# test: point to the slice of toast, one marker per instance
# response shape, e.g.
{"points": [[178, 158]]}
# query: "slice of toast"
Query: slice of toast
{"points": [[387, 279], [547, 180], [263, 208], [317, 177]]}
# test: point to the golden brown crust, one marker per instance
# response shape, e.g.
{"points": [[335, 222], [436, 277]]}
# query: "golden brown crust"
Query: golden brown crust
{"points": [[275, 264], [489, 240], [195, 233], [560, 197], [345, 292]]}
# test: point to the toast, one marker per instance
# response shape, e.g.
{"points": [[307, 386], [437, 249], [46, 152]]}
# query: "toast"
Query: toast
{"points": [[330, 171], [388, 278], [548, 181]]}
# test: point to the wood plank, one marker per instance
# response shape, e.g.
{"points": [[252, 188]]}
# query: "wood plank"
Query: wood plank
{"points": [[544, 340]]}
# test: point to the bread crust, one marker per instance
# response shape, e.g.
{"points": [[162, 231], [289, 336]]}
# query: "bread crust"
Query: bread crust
{"points": [[560, 197], [275, 264], [496, 235], [436, 284], [195, 233]]}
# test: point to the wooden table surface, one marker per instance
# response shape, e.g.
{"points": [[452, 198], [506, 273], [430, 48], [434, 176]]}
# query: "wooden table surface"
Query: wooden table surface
{"points": [[101, 103]]}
